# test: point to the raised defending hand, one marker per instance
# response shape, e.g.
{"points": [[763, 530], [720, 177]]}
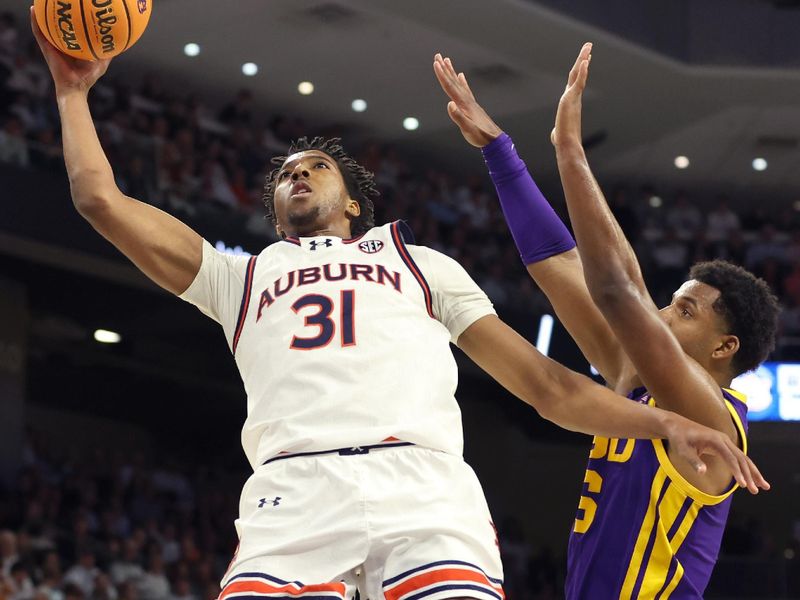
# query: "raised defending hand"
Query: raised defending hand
{"points": [[568, 117], [476, 126], [691, 441], [69, 74]]}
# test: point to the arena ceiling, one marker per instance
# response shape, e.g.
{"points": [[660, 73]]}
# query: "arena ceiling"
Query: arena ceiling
{"points": [[643, 108]]}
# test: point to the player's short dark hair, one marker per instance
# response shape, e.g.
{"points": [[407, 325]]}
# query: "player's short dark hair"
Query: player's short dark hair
{"points": [[747, 306], [360, 182]]}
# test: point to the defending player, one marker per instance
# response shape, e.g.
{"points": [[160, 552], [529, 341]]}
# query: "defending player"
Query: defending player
{"points": [[341, 334], [648, 525]]}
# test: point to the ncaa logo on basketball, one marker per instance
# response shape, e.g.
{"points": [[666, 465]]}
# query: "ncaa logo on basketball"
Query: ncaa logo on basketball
{"points": [[371, 246], [142, 6]]}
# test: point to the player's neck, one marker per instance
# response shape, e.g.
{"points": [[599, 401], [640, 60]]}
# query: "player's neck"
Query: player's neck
{"points": [[340, 231], [721, 374]]}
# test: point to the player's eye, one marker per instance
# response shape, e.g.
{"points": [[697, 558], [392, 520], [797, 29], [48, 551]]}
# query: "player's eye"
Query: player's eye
{"points": [[321, 164], [685, 313], [283, 174]]}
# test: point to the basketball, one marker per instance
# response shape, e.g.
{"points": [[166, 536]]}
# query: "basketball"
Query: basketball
{"points": [[92, 29]]}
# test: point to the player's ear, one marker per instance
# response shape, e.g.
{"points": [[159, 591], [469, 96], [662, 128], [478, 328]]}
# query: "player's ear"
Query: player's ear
{"points": [[726, 348], [280, 231], [353, 209]]}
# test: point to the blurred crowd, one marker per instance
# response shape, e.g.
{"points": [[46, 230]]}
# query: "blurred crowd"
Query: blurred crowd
{"points": [[113, 527], [176, 152]]}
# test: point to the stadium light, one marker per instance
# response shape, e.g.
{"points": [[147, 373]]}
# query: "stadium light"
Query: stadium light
{"points": [[191, 49], [104, 336]]}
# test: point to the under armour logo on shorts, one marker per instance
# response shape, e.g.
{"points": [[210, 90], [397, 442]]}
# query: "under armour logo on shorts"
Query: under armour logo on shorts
{"points": [[315, 244]]}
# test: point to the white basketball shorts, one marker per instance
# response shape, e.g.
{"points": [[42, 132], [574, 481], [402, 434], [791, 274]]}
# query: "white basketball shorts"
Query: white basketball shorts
{"points": [[395, 523]]}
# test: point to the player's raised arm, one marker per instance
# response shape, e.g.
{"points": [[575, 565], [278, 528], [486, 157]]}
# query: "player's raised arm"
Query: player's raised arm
{"points": [[575, 402], [545, 245], [166, 250], [615, 281]]}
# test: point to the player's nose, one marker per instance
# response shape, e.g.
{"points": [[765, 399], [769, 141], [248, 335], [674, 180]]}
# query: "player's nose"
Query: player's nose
{"points": [[299, 171]]}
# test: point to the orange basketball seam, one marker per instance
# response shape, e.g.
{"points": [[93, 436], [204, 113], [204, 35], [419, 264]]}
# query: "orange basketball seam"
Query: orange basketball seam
{"points": [[86, 31], [130, 25]]}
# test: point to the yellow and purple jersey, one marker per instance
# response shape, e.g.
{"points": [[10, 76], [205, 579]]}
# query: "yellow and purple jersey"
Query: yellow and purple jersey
{"points": [[642, 530]]}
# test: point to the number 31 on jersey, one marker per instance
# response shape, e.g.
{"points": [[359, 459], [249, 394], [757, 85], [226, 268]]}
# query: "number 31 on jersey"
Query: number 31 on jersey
{"points": [[321, 308]]}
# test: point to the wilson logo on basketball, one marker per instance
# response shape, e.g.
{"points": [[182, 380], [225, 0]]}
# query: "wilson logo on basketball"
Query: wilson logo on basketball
{"points": [[105, 20], [371, 246], [142, 6]]}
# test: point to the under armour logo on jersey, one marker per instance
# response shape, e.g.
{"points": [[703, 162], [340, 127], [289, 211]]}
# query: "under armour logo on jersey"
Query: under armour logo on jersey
{"points": [[275, 502], [370, 246], [315, 244]]}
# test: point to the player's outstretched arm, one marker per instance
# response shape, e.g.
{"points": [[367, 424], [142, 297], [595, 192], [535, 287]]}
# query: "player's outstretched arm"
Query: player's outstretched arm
{"points": [[575, 402], [166, 250], [545, 245], [615, 282]]}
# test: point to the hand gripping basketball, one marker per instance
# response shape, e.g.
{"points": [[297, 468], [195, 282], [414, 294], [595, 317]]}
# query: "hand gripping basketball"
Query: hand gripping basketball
{"points": [[92, 29]]}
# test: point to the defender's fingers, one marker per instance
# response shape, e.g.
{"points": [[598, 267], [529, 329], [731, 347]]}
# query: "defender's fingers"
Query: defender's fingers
{"points": [[458, 117], [729, 453], [759, 479], [444, 80], [586, 50], [451, 85], [751, 473], [698, 465], [583, 75], [463, 79]]}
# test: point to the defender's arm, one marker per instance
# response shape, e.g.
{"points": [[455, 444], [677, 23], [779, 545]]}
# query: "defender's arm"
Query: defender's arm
{"points": [[616, 285], [545, 245]]}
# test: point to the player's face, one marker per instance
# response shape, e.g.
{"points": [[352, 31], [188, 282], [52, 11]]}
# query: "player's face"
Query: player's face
{"points": [[693, 320], [311, 196]]}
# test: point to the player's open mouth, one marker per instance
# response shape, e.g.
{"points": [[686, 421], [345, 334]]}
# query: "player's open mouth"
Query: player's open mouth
{"points": [[300, 189]]}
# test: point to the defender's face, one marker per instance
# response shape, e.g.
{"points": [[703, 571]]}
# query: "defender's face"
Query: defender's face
{"points": [[693, 320], [310, 193]]}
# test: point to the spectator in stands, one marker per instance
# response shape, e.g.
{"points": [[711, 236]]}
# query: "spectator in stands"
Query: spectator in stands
{"points": [[765, 247], [8, 34], [240, 111], [103, 588], [20, 582], [154, 585], [8, 552], [722, 221], [671, 257], [13, 147], [683, 217], [83, 573], [626, 217], [128, 567]]}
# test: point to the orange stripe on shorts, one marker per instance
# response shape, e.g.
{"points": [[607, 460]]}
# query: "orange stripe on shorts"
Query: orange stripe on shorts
{"points": [[439, 576]]}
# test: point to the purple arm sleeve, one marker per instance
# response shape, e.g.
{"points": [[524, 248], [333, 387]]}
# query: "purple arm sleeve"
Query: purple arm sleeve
{"points": [[535, 227]]}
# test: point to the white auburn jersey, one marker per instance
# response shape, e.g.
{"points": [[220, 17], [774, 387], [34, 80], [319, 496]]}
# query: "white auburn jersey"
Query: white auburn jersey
{"points": [[342, 343]]}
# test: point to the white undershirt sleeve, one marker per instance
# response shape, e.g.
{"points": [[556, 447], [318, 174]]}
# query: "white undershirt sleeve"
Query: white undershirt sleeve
{"points": [[457, 300], [218, 287]]}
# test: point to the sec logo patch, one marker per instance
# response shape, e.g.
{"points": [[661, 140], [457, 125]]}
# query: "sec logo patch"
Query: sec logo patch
{"points": [[370, 246]]}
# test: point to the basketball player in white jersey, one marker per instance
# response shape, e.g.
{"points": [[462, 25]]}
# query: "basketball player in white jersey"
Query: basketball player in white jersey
{"points": [[341, 333]]}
